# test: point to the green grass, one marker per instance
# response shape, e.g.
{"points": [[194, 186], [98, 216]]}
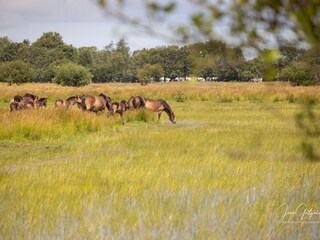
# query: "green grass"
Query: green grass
{"points": [[221, 172]]}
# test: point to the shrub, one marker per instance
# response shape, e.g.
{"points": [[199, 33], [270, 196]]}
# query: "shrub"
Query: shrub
{"points": [[301, 74], [71, 74], [16, 72]]}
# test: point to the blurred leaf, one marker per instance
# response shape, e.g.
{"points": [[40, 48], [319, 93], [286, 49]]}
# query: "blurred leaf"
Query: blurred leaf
{"points": [[170, 7]]}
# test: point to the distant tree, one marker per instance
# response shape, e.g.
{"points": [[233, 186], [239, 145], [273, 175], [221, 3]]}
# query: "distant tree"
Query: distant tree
{"points": [[71, 74], [247, 70], [63, 52], [288, 54], [16, 72], [119, 62], [49, 40], [311, 56], [86, 56], [150, 72], [9, 50], [207, 72], [301, 74]]}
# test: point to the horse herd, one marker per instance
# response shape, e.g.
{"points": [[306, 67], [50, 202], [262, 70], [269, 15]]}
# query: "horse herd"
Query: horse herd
{"points": [[94, 104]]}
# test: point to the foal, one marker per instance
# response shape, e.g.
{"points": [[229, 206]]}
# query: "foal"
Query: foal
{"points": [[120, 108]]}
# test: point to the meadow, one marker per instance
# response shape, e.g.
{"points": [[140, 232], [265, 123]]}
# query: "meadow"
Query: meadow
{"points": [[227, 169]]}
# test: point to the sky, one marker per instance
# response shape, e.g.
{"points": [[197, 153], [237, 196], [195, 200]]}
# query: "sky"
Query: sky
{"points": [[81, 22]]}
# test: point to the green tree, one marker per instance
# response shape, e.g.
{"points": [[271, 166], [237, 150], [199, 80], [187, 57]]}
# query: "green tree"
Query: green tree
{"points": [[150, 72], [86, 56], [49, 40], [16, 72], [9, 51], [301, 73], [247, 70], [71, 74]]}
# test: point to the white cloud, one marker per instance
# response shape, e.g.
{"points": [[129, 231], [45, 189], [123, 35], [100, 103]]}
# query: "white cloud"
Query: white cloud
{"points": [[22, 12]]}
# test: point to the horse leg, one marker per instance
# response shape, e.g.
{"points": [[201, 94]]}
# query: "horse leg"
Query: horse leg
{"points": [[121, 114], [159, 115]]}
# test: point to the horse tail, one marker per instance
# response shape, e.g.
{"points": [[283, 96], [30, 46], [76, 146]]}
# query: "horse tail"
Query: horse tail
{"points": [[83, 104], [142, 102]]}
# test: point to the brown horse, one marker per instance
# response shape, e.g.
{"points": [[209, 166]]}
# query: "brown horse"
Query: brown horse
{"points": [[120, 108], [160, 106], [69, 102], [27, 97], [125, 104], [24, 104], [40, 103], [136, 102], [97, 104]]}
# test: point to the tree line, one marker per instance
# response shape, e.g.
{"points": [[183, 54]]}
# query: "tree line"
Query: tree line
{"points": [[50, 59]]}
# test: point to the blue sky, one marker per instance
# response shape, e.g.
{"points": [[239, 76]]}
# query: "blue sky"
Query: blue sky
{"points": [[81, 22], [85, 23]]}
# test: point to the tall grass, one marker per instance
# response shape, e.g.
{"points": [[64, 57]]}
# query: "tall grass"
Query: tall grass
{"points": [[178, 91], [221, 172]]}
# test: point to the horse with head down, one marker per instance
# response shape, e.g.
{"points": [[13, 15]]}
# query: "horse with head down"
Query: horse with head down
{"points": [[24, 104], [69, 102], [97, 104], [26, 97], [160, 106], [40, 103]]}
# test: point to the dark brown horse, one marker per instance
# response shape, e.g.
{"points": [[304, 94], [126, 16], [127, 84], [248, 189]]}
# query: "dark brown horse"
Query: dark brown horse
{"points": [[120, 108], [125, 104], [160, 106], [40, 103], [69, 102], [27, 97], [136, 102], [96, 104], [24, 104]]}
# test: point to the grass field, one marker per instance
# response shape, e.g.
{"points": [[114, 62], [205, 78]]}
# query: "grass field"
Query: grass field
{"points": [[226, 170]]}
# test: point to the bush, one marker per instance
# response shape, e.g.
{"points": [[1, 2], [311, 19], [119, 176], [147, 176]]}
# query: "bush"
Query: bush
{"points": [[301, 74], [16, 72], [71, 74]]}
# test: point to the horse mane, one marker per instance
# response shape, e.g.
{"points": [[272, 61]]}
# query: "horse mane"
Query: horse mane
{"points": [[167, 107], [72, 97], [17, 98], [30, 96]]}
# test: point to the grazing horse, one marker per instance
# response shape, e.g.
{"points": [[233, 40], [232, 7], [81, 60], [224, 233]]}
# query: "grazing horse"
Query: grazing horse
{"points": [[125, 104], [27, 96], [97, 104], [69, 102], [42, 102], [24, 104], [136, 102], [120, 108], [16, 98], [160, 106], [30, 96]]}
